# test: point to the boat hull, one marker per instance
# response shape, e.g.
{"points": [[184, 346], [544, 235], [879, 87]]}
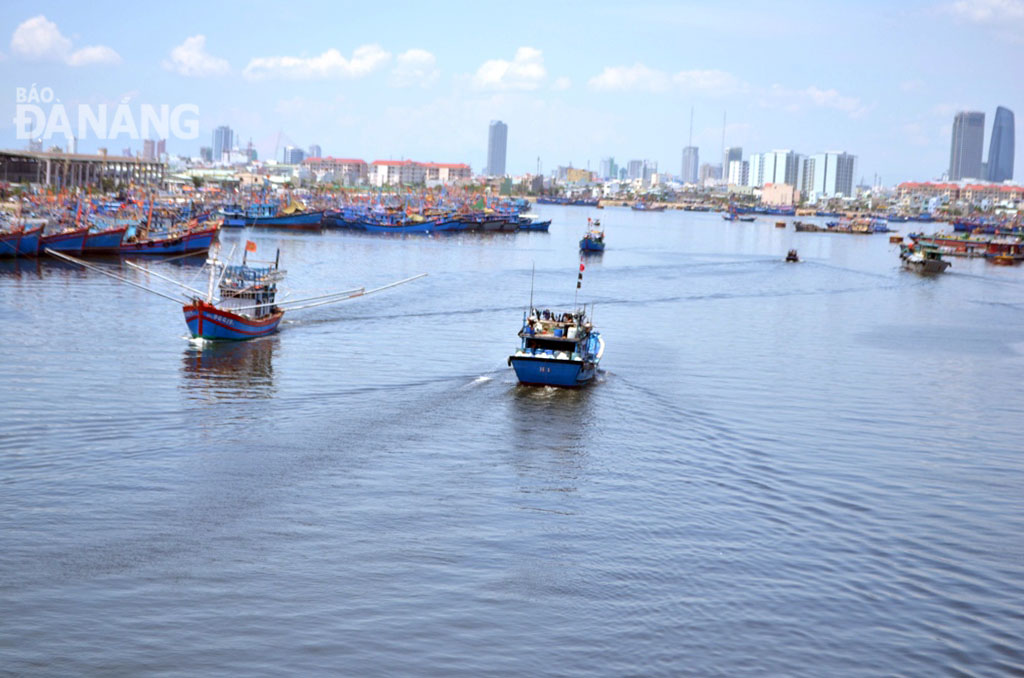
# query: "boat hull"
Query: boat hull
{"points": [[588, 245], [206, 321], [193, 241], [71, 241], [24, 244], [306, 221], [105, 242], [552, 372], [929, 266]]}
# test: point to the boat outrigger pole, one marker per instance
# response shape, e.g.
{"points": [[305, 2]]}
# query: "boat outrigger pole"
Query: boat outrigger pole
{"points": [[97, 269]]}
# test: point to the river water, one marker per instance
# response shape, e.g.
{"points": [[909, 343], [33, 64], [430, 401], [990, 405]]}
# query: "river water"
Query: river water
{"points": [[783, 469]]}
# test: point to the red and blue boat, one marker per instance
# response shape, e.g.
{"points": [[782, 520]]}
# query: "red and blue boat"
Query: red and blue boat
{"points": [[69, 240], [247, 308], [23, 242], [557, 349]]}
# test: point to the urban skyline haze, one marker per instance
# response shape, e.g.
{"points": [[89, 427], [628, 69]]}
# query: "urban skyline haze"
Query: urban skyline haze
{"points": [[374, 87]]}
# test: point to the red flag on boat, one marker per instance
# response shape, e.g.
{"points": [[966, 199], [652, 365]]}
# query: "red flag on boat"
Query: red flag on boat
{"points": [[250, 246]]}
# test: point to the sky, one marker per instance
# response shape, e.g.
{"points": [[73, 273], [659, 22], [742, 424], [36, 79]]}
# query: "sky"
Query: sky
{"points": [[574, 81]]}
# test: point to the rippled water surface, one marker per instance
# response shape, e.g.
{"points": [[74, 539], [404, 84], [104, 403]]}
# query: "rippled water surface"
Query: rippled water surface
{"points": [[802, 470]]}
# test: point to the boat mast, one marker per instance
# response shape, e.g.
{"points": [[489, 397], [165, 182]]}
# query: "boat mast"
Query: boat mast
{"points": [[533, 271]]}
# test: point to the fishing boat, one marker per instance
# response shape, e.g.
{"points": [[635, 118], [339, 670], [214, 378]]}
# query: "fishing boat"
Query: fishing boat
{"points": [[240, 301], [792, 257], [71, 239], [642, 206], [593, 239], [922, 258], [557, 349], [104, 241], [196, 238], [527, 223], [22, 241]]}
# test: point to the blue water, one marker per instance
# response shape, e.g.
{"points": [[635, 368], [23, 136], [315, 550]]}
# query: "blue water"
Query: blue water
{"points": [[801, 470]]}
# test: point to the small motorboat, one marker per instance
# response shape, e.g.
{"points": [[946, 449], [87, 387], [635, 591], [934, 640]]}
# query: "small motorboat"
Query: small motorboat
{"points": [[924, 259], [792, 256]]}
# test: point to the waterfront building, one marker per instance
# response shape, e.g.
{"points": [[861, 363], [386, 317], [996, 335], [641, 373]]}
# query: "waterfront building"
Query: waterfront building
{"points": [[755, 175], [732, 153], [497, 143], [314, 151], [709, 173], [1001, 147], [691, 162], [292, 155], [446, 173], [69, 170], [739, 173], [780, 195], [608, 169], [650, 169], [345, 171], [223, 142], [829, 174], [966, 145]]}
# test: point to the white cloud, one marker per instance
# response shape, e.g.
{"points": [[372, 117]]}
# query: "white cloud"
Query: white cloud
{"points": [[561, 83], [94, 54], [794, 101], [642, 78], [989, 11], [635, 77], [525, 72], [330, 64], [415, 68], [39, 39], [191, 59]]}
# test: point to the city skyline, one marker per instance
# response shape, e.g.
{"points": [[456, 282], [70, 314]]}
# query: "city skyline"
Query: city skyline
{"points": [[407, 92]]}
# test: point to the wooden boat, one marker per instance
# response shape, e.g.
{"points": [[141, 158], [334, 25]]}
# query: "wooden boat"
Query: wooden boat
{"points": [[593, 239], [195, 239], [21, 242], [70, 240], [557, 349], [780, 224], [922, 259]]}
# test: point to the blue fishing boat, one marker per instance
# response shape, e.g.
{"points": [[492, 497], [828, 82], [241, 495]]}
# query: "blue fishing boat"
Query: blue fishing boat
{"points": [[195, 239], [70, 240], [247, 307], [526, 223], [593, 239], [23, 242], [105, 241], [557, 349]]}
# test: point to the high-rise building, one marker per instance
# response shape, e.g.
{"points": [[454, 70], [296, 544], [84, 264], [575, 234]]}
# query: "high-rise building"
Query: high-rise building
{"points": [[497, 144], [755, 174], [206, 153], [691, 163], [315, 151], [649, 170], [223, 142], [623, 174], [739, 172], [709, 173], [148, 149], [732, 153], [830, 174], [1000, 146], [635, 170], [779, 167], [608, 169], [292, 155], [966, 147], [161, 148]]}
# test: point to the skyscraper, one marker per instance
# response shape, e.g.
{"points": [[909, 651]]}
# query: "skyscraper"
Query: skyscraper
{"points": [[292, 155], [1000, 146], [608, 169], [223, 140], [967, 146], [315, 151], [691, 162], [831, 173], [731, 153], [497, 143], [635, 169]]}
